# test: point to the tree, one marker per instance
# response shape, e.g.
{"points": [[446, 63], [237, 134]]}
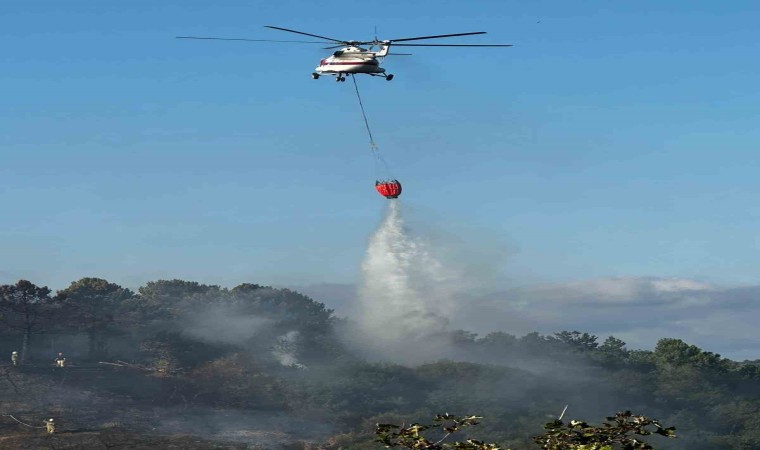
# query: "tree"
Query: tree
{"points": [[612, 352], [621, 431], [499, 339], [577, 340], [675, 352], [168, 299], [27, 308], [246, 288], [614, 347], [95, 306]]}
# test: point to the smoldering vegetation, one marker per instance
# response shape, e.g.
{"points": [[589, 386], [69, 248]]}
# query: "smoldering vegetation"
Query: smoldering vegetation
{"points": [[179, 364]]}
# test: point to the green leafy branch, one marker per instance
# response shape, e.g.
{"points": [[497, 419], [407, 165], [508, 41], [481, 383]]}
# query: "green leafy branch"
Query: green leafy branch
{"points": [[412, 437], [621, 431]]}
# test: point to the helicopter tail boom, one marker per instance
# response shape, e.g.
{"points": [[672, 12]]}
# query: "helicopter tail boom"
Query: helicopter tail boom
{"points": [[384, 49]]}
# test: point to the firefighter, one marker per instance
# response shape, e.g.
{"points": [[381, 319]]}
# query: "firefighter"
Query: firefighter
{"points": [[60, 361], [50, 426], [14, 358]]}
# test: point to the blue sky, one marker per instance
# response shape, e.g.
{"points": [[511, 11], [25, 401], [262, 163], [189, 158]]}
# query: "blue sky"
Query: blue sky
{"points": [[615, 139]]}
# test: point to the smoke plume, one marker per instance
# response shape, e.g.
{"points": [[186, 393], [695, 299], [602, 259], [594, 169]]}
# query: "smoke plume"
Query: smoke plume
{"points": [[285, 350], [223, 324]]}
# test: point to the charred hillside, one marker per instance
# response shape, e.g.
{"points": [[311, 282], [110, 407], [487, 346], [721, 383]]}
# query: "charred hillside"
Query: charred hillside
{"points": [[179, 364]]}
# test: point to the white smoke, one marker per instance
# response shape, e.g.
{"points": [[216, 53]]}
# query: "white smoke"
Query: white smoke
{"points": [[223, 324], [407, 294], [285, 350]]}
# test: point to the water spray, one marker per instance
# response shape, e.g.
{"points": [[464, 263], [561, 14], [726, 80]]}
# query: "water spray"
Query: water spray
{"points": [[407, 293]]}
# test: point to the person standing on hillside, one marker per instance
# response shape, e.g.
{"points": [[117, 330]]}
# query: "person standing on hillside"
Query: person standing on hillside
{"points": [[60, 361], [14, 358]]}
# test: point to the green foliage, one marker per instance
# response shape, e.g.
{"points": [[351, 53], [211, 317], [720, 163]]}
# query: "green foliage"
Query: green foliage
{"points": [[676, 352], [614, 347], [499, 339], [417, 437], [236, 381], [97, 307], [576, 340], [167, 299], [355, 390], [26, 306], [621, 431]]}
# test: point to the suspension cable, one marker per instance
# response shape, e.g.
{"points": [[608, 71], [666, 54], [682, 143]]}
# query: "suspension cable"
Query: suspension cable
{"points": [[379, 160], [372, 144]]}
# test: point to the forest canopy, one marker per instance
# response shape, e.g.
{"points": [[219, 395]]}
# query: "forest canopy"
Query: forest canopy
{"points": [[254, 363]]}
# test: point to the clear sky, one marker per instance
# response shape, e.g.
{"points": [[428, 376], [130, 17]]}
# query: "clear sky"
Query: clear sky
{"points": [[615, 139]]}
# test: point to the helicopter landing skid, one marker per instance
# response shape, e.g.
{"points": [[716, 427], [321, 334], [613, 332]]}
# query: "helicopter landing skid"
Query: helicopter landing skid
{"points": [[387, 76], [338, 76], [342, 76]]}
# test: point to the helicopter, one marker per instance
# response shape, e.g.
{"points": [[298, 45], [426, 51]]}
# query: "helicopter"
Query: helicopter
{"points": [[351, 57]]}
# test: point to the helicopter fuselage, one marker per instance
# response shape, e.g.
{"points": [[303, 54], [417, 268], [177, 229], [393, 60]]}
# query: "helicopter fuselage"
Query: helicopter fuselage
{"points": [[349, 65], [350, 60]]}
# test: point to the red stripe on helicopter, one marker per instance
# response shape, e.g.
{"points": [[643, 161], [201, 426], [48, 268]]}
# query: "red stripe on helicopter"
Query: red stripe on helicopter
{"points": [[357, 63]]}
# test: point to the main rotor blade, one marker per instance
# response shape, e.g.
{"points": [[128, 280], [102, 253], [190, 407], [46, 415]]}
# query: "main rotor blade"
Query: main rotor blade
{"points": [[249, 40], [353, 44], [305, 34], [436, 36], [451, 45]]}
